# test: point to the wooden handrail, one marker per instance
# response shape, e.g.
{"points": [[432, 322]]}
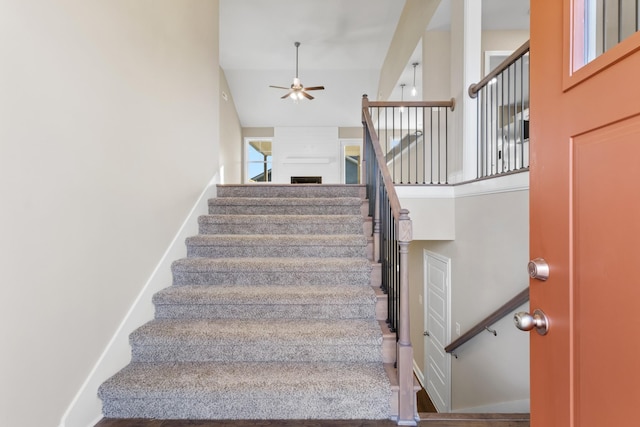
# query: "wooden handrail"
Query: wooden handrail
{"points": [[394, 202], [475, 88], [427, 104], [505, 309]]}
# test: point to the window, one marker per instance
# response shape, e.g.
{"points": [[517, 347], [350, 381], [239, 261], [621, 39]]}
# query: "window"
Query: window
{"points": [[607, 23], [259, 160]]}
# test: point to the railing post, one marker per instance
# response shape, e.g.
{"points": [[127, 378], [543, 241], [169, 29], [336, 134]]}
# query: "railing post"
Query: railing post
{"points": [[407, 397]]}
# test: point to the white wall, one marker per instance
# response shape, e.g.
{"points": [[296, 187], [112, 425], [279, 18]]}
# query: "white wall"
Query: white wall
{"points": [[489, 259], [108, 135], [306, 151]]}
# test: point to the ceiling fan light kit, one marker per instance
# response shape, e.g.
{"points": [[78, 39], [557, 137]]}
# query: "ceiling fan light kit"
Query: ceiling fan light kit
{"points": [[297, 91]]}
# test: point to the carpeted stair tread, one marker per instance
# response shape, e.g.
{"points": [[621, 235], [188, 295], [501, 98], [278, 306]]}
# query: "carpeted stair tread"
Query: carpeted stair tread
{"points": [[286, 201], [265, 302], [248, 390], [285, 331], [286, 205], [271, 271], [271, 264], [276, 240], [280, 224], [256, 245], [286, 190], [233, 340], [252, 295]]}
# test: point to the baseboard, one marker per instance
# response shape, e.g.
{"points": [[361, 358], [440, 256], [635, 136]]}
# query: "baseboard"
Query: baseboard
{"points": [[419, 374], [85, 409]]}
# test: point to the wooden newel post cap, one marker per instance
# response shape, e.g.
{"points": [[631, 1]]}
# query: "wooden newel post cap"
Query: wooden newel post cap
{"points": [[405, 229]]}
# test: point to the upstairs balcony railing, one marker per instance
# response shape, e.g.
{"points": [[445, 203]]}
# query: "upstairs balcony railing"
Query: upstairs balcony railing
{"points": [[414, 139], [503, 116]]}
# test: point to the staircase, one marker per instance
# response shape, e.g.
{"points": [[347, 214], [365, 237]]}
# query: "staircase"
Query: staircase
{"points": [[272, 315]]}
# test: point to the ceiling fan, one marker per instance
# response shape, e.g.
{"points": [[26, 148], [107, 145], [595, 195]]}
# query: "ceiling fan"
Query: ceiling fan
{"points": [[297, 91]]}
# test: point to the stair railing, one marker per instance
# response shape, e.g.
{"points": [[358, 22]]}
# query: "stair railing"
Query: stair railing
{"points": [[503, 116], [392, 227], [484, 324]]}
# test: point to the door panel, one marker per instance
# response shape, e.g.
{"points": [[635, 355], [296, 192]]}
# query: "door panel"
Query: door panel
{"points": [[437, 363], [584, 136], [606, 259]]}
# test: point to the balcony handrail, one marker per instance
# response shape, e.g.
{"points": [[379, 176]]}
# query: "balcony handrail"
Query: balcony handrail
{"points": [[510, 60], [498, 314], [448, 104]]}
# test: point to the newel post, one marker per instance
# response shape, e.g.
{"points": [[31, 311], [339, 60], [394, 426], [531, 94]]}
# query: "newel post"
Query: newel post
{"points": [[407, 396]]}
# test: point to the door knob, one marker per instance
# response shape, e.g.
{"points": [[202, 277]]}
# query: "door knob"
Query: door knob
{"points": [[538, 269], [526, 322]]}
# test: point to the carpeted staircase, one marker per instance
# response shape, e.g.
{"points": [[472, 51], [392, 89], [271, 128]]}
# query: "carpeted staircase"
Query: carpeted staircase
{"points": [[272, 315]]}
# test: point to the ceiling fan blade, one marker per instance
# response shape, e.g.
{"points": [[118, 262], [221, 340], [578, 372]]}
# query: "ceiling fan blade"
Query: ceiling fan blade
{"points": [[280, 87], [306, 95], [287, 95], [314, 88]]}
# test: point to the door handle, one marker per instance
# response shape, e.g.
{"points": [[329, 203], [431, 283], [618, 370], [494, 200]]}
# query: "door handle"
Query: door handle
{"points": [[526, 322], [426, 334]]}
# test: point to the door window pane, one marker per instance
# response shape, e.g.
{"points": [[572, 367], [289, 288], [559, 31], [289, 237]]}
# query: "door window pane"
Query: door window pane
{"points": [[607, 23]]}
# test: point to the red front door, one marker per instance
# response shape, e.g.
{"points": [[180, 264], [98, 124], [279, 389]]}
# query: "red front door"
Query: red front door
{"points": [[585, 222]]}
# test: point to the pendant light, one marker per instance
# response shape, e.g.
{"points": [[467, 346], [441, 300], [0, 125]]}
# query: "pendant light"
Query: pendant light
{"points": [[402, 85], [414, 91]]}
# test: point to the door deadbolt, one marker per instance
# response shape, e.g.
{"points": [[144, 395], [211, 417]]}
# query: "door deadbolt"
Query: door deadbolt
{"points": [[526, 322], [538, 269]]}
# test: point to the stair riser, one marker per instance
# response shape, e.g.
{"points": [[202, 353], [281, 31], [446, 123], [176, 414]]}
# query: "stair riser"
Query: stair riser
{"points": [[290, 227], [272, 278], [288, 311], [276, 251], [291, 191], [258, 352], [276, 407], [219, 209]]}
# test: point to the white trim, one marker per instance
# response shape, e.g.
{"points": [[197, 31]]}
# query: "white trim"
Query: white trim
{"points": [[86, 405], [418, 372], [500, 184], [347, 142]]}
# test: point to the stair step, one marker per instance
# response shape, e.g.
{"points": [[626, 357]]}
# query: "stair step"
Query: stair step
{"points": [[265, 302], [252, 340], [214, 390], [252, 245], [271, 271], [280, 224], [285, 206], [289, 190]]}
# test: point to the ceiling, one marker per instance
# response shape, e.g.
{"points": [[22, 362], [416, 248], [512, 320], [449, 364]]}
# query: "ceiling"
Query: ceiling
{"points": [[343, 46]]}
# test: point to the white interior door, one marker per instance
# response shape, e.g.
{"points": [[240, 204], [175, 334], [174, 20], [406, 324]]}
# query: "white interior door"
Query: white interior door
{"points": [[437, 361]]}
